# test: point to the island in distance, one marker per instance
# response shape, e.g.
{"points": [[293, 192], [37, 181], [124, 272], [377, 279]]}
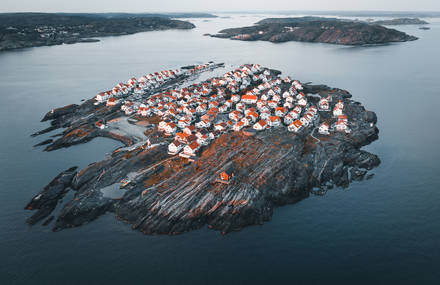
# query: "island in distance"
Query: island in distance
{"points": [[223, 152], [400, 22], [22, 30], [316, 29]]}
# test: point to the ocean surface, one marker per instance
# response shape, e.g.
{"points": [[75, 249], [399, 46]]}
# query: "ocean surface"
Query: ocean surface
{"points": [[380, 231]]}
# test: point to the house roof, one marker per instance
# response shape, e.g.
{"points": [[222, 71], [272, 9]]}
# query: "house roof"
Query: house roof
{"points": [[274, 118], [248, 97], [296, 123], [262, 123], [194, 145]]}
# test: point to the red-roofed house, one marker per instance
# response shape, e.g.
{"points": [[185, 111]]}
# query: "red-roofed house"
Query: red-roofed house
{"points": [[191, 149], [274, 121], [260, 125], [295, 126]]}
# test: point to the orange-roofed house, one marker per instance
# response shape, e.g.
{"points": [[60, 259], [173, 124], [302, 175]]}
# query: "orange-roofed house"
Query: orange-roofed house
{"points": [[170, 128], [235, 115], [253, 115], [260, 125], [280, 111], [341, 126], [181, 137], [227, 175], [249, 99], [274, 121], [295, 126], [238, 126], [189, 129], [191, 149], [174, 147], [101, 97], [111, 101]]}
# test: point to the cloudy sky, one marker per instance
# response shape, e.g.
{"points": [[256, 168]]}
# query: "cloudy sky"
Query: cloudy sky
{"points": [[213, 6]]}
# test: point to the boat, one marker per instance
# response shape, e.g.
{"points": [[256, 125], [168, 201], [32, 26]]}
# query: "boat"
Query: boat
{"points": [[125, 182]]}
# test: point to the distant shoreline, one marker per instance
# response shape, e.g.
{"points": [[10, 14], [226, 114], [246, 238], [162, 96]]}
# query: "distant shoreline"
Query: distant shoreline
{"points": [[315, 30], [24, 30]]}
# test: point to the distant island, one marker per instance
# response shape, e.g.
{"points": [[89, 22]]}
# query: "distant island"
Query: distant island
{"points": [[400, 21], [316, 29], [223, 152], [23, 30]]}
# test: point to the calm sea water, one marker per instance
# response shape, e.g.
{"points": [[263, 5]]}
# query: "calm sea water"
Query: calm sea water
{"points": [[381, 231]]}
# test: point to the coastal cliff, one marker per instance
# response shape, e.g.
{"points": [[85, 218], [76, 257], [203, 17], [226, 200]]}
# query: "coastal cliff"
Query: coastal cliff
{"points": [[316, 29]]}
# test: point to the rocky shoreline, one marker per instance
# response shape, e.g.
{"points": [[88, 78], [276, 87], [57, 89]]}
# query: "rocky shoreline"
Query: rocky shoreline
{"points": [[24, 30], [317, 30], [170, 194]]}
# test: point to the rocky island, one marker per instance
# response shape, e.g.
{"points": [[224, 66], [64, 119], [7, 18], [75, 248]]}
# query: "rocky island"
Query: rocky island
{"points": [[22, 30], [221, 152], [316, 29]]}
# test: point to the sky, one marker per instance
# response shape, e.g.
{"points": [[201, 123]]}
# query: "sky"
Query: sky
{"points": [[213, 6]]}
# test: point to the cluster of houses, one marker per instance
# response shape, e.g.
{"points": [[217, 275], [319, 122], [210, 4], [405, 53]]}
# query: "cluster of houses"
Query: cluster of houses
{"points": [[248, 97], [136, 87]]}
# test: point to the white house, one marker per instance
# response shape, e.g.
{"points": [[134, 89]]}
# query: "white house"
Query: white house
{"points": [[260, 125], [203, 124], [288, 105], [290, 99], [302, 102], [175, 147], [337, 111], [304, 121], [280, 111], [170, 128], [189, 129], [102, 96], [324, 104], [201, 109], [238, 126], [288, 119], [274, 121], [191, 149], [112, 101], [340, 105], [294, 114], [203, 140], [295, 126], [265, 115], [235, 115], [324, 129], [249, 99], [220, 127], [235, 98], [272, 104], [341, 126]]}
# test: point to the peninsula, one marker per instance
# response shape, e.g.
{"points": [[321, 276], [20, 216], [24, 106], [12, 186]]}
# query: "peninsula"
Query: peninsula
{"points": [[23, 30], [222, 152], [316, 29]]}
